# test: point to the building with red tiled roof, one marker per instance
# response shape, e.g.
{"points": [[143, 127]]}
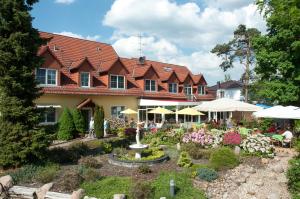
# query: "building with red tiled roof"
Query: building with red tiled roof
{"points": [[81, 73]]}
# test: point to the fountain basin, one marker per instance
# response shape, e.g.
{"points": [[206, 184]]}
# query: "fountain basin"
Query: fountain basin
{"points": [[138, 148]]}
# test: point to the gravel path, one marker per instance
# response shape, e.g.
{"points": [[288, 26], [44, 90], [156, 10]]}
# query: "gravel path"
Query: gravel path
{"points": [[248, 182]]}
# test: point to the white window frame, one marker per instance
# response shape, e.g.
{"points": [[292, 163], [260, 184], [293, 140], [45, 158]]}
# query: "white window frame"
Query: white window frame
{"points": [[202, 90], [89, 80], [118, 116], [173, 87], [49, 123], [46, 76], [151, 80], [124, 87], [189, 86]]}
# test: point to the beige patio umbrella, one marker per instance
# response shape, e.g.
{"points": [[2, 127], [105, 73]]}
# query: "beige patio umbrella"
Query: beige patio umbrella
{"points": [[160, 110], [129, 111], [189, 111]]}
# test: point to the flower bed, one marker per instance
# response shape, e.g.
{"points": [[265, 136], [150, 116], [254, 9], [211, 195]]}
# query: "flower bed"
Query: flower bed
{"points": [[198, 137], [258, 144], [232, 138]]}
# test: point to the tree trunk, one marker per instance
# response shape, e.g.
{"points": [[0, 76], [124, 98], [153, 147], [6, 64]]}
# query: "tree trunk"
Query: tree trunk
{"points": [[246, 82]]}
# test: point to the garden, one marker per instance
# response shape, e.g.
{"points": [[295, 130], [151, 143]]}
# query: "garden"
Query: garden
{"points": [[196, 158]]}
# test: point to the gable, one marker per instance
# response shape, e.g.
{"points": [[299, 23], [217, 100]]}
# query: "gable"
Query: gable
{"points": [[50, 61], [188, 80], [173, 78], [118, 69], [151, 74]]}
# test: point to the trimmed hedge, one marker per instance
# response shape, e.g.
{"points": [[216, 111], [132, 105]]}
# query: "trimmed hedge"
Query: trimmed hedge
{"points": [[66, 126]]}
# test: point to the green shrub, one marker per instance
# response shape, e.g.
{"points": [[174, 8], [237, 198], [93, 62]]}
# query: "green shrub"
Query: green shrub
{"points": [[24, 174], [66, 126], [223, 158], [293, 175], [89, 174], [195, 151], [79, 149], [141, 191], [144, 169], [147, 154], [89, 162], [79, 121], [184, 160], [207, 174], [99, 121], [47, 174]]}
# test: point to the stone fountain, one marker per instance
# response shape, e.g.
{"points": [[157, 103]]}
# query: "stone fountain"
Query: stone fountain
{"points": [[138, 147]]}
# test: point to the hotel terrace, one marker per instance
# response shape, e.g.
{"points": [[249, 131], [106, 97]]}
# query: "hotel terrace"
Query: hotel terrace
{"points": [[80, 74]]}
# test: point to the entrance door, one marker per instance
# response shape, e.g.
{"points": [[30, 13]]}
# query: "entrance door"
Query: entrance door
{"points": [[87, 114]]}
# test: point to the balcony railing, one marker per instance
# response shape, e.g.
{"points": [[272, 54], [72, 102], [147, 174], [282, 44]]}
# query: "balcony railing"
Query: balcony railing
{"points": [[191, 97]]}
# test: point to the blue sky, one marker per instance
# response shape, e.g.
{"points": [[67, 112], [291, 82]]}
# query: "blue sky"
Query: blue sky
{"points": [[180, 32]]}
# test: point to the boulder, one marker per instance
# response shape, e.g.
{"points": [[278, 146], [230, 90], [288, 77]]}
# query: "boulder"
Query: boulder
{"points": [[6, 181], [278, 169], [42, 191], [119, 196], [77, 194], [251, 170], [273, 196], [259, 182], [264, 160]]}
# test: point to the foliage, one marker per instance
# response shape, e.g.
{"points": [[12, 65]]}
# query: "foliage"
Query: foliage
{"points": [[297, 126], [141, 190], [89, 162], [240, 50], [107, 187], [259, 145], [24, 174], [147, 154], [116, 123], [184, 187], [66, 126], [217, 137], [199, 137], [89, 174], [195, 151], [130, 132], [144, 169], [47, 174], [278, 52], [70, 179], [51, 130], [184, 160], [223, 158], [22, 140], [264, 124], [232, 138], [207, 174], [293, 175], [162, 137], [99, 121], [79, 121]]}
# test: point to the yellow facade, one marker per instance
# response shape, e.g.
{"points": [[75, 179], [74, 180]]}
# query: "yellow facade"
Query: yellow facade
{"points": [[71, 101]]}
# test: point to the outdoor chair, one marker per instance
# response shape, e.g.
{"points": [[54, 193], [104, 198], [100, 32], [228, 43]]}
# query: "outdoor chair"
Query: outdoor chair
{"points": [[289, 143]]}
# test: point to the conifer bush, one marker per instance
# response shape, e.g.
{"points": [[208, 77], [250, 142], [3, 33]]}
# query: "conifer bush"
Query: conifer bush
{"points": [[99, 121], [66, 126], [223, 158], [79, 121], [184, 160]]}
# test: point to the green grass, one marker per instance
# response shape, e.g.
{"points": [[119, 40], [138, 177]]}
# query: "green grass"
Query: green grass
{"points": [[184, 186], [107, 187]]}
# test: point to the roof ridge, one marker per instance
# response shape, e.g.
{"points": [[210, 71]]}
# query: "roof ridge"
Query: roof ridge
{"points": [[75, 38], [133, 58]]}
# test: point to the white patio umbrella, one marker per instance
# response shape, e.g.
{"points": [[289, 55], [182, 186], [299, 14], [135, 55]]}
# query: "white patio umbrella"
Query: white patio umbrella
{"points": [[129, 111], [279, 112], [227, 105]]}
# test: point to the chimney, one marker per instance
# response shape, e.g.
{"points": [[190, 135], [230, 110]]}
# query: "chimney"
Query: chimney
{"points": [[142, 60], [218, 84]]}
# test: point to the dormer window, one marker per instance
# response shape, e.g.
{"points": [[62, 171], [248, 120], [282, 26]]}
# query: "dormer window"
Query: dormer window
{"points": [[117, 82], [150, 85], [46, 77], [201, 90], [85, 79], [188, 90], [173, 87]]}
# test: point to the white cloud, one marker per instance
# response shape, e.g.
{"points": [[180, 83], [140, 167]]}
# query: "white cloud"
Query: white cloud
{"points": [[181, 33], [71, 34], [64, 1]]}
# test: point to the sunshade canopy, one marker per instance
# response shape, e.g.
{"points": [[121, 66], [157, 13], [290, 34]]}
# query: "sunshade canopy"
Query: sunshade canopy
{"points": [[189, 111], [227, 105], [129, 111], [160, 110], [279, 112]]}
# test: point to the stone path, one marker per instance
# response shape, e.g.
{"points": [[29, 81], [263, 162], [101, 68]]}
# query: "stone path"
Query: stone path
{"points": [[246, 182]]}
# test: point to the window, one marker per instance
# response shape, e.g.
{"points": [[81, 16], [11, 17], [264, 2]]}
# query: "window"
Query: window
{"points": [[150, 85], [222, 94], [46, 76], [173, 87], [188, 89], [116, 111], [201, 90], [117, 82], [85, 79], [48, 116]]}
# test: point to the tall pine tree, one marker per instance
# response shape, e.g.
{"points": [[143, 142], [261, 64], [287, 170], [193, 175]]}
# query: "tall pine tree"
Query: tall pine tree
{"points": [[21, 140]]}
